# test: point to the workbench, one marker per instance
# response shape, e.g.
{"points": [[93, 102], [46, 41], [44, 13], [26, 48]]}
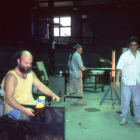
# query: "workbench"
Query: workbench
{"points": [[96, 84]]}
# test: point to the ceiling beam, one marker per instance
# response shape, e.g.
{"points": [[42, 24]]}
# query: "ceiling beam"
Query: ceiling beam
{"points": [[75, 3]]}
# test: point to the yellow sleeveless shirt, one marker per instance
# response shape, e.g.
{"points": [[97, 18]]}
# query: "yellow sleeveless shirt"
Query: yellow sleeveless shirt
{"points": [[23, 91]]}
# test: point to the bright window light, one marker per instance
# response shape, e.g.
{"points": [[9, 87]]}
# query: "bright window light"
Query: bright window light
{"points": [[56, 31], [56, 20], [66, 31], [65, 21], [64, 26]]}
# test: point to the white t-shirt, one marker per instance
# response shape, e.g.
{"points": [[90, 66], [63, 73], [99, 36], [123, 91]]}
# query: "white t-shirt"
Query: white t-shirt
{"points": [[130, 66]]}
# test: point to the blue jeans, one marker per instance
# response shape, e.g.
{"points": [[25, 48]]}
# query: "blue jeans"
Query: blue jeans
{"points": [[126, 93], [15, 112]]}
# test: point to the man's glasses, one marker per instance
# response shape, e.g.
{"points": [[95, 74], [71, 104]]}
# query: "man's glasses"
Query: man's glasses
{"points": [[135, 45]]}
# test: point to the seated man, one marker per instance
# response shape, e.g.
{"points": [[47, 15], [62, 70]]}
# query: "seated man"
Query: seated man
{"points": [[17, 86]]}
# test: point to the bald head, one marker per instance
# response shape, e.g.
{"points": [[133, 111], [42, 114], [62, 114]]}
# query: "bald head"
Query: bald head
{"points": [[25, 54]]}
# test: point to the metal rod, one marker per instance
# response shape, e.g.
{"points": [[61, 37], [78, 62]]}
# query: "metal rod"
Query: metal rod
{"points": [[100, 69], [113, 73], [34, 67], [113, 64], [60, 97], [68, 94]]}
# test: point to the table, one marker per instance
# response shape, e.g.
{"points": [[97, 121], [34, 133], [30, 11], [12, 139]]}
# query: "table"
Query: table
{"points": [[95, 85]]}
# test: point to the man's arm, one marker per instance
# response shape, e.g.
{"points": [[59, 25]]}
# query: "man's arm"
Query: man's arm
{"points": [[118, 77], [44, 89], [9, 89], [80, 63]]}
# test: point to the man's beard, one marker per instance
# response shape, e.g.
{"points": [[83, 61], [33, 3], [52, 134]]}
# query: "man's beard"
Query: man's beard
{"points": [[24, 70]]}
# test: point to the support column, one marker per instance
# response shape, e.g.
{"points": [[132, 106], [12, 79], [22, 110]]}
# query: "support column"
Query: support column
{"points": [[33, 22], [51, 36]]}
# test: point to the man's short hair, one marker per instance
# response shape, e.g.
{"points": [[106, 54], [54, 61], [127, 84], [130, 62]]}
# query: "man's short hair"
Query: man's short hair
{"points": [[16, 56], [133, 38]]}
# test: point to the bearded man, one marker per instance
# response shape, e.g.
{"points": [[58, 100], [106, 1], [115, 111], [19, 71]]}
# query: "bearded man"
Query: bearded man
{"points": [[17, 86]]}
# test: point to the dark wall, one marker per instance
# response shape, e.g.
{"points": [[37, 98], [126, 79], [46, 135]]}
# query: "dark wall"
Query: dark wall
{"points": [[106, 28], [90, 59], [15, 19]]}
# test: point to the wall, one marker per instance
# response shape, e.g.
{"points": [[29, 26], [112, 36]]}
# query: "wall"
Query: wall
{"points": [[107, 30]]}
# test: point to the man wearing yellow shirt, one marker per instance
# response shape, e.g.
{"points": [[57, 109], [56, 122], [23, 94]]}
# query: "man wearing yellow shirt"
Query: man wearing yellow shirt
{"points": [[17, 86]]}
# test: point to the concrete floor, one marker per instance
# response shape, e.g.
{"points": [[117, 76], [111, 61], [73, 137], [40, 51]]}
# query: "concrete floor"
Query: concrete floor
{"points": [[101, 125]]}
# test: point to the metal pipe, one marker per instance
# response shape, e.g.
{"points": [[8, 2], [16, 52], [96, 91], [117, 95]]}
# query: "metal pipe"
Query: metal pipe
{"points": [[99, 68], [113, 64]]}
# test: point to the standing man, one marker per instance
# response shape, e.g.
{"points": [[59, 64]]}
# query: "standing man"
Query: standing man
{"points": [[129, 67], [76, 67], [17, 86]]}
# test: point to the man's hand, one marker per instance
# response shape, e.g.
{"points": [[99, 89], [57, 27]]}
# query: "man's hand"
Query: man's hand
{"points": [[56, 98], [117, 84], [28, 111], [85, 69], [119, 71]]}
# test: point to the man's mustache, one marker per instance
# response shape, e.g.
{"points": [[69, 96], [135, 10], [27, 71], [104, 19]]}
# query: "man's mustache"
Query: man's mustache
{"points": [[28, 67]]}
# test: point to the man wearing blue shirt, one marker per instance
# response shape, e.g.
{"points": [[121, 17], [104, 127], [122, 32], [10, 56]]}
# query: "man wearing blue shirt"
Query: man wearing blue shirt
{"points": [[76, 67]]}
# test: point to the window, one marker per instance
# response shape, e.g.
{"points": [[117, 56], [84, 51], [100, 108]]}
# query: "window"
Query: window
{"points": [[62, 26]]}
